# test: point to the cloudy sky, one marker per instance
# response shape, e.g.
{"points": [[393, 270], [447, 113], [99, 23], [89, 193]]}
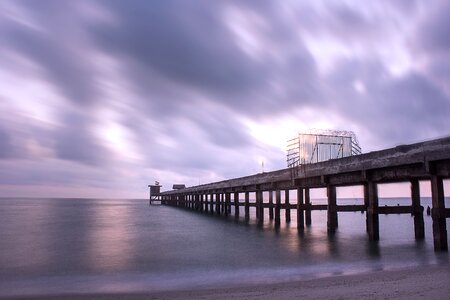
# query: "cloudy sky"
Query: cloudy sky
{"points": [[101, 98]]}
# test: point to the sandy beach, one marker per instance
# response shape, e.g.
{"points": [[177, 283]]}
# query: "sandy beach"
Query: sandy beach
{"points": [[425, 282]]}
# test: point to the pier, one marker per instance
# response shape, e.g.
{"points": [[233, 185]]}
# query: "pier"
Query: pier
{"points": [[406, 163]]}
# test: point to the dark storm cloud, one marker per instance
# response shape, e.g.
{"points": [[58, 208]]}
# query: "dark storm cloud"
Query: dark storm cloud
{"points": [[74, 141], [185, 42], [6, 147], [54, 50], [168, 48], [433, 32], [409, 107]]}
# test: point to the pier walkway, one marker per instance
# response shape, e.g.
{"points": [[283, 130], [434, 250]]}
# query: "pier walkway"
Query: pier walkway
{"points": [[407, 163]]}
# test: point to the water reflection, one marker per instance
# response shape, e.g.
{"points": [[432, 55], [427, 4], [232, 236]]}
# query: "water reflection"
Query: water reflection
{"points": [[110, 245]]}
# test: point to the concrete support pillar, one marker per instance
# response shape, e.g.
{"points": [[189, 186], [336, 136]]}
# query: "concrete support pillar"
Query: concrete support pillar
{"points": [[236, 204], [438, 214], [307, 208], [287, 205], [300, 215], [211, 203], [247, 206], [260, 206], [198, 204], [419, 230], [332, 216], [194, 201], [227, 203], [217, 203], [277, 207], [372, 211], [222, 203], [366, 204], [271, 205]]}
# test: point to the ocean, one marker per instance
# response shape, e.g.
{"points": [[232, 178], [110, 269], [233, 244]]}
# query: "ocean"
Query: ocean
{"points": [[58, 246]]}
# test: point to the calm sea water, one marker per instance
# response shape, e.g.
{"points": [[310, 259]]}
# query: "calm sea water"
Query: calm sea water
{"points": [[52, 246]]}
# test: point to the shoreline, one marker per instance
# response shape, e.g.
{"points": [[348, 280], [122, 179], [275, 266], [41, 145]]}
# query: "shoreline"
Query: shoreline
{"points": [[427, 282]]}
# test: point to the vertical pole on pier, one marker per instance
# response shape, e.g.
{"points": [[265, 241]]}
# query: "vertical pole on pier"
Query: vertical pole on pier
{"points": [[300, 215], [227, 203], [271, 205], [277, 207], [307, 208], [260, 206], [332, 217], [247, 206], [419, 230], [373, 227], [287, 207], [438, 214], [236, 204]]}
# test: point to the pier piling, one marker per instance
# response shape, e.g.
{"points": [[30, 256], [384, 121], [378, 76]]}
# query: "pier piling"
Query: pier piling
{"points": [[332, 217], [417, 209], [438, 213], [287, 206], [372, 211], [300, 214], [307, 208], [277, 207]]}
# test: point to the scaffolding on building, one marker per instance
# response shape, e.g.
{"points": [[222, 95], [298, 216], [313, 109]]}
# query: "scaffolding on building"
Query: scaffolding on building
{"points": [[317, 145]]}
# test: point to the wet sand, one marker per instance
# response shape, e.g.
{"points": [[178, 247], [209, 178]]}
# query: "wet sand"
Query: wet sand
{"points": [[425, 282]]}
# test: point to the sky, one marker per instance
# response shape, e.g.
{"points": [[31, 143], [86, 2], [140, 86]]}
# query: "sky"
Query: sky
{"points": [[102, 98]]}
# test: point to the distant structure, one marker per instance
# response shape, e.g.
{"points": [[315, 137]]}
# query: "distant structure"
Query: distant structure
{"points": [[155, 193], [320, 145], [178, 186]]}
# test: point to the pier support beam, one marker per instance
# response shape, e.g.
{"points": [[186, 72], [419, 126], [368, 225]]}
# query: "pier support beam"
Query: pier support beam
{"points": [[227, 203], [247, 206], [372, 211], [236, 204], [211, 203], [300, 214], [332, 217], [307, 208], [287, 206], [438, 214], [277, 207], [419, 230], [260, 206], [217, 203], [366, 204], [270, 205]]}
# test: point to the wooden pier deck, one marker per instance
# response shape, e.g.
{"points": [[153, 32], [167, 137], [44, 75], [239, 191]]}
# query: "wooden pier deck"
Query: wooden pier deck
{"points": [[407, 163]]}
